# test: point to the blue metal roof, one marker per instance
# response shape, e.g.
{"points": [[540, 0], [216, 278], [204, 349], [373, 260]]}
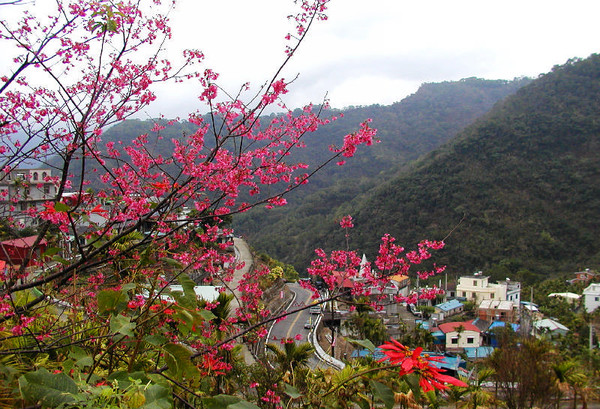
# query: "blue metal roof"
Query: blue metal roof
{"points": [[449, 305], [479, 352], [496, 324]]}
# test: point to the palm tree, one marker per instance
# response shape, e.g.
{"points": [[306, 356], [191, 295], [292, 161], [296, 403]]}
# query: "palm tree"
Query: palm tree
{"points": [[578, 380], [478, 396], [459, 330], [561, 371], [292, 357], [455, 394]]}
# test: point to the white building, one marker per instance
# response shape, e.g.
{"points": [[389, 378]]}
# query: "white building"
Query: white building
{"points": [[591, 297], [548, 326], [23, 189], [460, 335], [477, 288], [513, 290], [571, 298]]}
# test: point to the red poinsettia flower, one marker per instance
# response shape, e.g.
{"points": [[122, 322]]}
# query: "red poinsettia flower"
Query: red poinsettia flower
{"points": [[412, 361]]}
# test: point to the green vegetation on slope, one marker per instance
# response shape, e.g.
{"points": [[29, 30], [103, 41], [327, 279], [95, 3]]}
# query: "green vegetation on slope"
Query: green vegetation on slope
{"points": [[523, 180], [407, 130]]}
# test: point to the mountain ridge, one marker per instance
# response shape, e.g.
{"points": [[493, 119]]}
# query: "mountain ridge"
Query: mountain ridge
{"points": [[536, 151], [428, 118]]}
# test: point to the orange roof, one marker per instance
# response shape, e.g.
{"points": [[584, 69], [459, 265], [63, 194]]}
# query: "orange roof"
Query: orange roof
{"points": [[399, 277]]}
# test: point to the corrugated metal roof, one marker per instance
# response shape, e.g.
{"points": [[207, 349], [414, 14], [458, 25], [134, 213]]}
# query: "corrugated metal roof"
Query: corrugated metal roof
{"points": [[449, 305]]}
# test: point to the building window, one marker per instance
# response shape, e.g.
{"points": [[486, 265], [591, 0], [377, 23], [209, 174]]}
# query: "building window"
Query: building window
{"points": [[454, 340], [23, 206], [46, 189], [464, 294], [470, 340], [44, 175], [35, 176], [474, 283], [596, 298]]}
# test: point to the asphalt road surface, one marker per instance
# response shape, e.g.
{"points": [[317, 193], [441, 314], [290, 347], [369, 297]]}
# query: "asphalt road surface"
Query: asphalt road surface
{"points": [[294, 324]]}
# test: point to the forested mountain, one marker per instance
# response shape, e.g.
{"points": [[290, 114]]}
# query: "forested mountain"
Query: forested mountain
{"points": [[407, 130], [517, 193]]}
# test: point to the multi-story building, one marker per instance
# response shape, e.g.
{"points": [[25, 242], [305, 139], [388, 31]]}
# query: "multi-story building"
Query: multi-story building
{"points": [[496, 310], [477, 288], [513, 290], [591, 297], [23, 189]]}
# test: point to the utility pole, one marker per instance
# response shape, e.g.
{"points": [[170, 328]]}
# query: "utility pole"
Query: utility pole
{"points": [[445, 285], [591, 345], [531, 297]]}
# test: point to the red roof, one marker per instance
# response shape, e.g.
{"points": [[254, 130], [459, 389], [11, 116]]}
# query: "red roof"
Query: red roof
{"points": [[451, 327], [22, 242], [342, 280]]}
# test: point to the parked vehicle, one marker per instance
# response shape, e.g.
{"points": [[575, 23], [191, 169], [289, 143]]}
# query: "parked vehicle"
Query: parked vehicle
{"points": [[415, 311], [315, 310]]}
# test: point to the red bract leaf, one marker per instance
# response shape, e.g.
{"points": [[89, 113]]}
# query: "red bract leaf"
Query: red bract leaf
{"points": [[451, 380], [423, 365]]}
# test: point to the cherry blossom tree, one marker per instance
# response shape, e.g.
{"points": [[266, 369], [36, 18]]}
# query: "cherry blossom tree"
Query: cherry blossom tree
{"points": [[102, 323]]}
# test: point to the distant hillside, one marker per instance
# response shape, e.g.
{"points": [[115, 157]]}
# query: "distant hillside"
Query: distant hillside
{"points": [[524, 180], [407, 130]]}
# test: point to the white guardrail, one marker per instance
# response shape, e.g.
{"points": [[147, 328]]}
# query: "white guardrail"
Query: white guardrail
{"points": [[321, 354]]}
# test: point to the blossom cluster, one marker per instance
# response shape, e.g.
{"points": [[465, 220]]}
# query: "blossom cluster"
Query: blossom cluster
{"points": [[343, 271]]}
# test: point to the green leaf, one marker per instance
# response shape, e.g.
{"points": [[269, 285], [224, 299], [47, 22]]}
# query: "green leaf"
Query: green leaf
{"points": [[111, 301], [207, 315], [363, 403], [242, 404], [111, 26], [50, 251], [126, 379], [185, 321], [60, 260], [50, 390], [81, 358], [122, 325], [227, 402], [178, 359], [158, 397], [171, 262], [97, 243], [61, 207], [188, 285], [383, 393], [155, 339], [128, 286], [291, 391], [365, 343]]}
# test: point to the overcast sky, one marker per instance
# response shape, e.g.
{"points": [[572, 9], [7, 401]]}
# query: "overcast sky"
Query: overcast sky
{"points": [[378, 51]]}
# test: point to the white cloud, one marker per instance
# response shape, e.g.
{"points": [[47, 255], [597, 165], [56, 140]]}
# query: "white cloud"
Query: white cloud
{"points": [[380, 50]]}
